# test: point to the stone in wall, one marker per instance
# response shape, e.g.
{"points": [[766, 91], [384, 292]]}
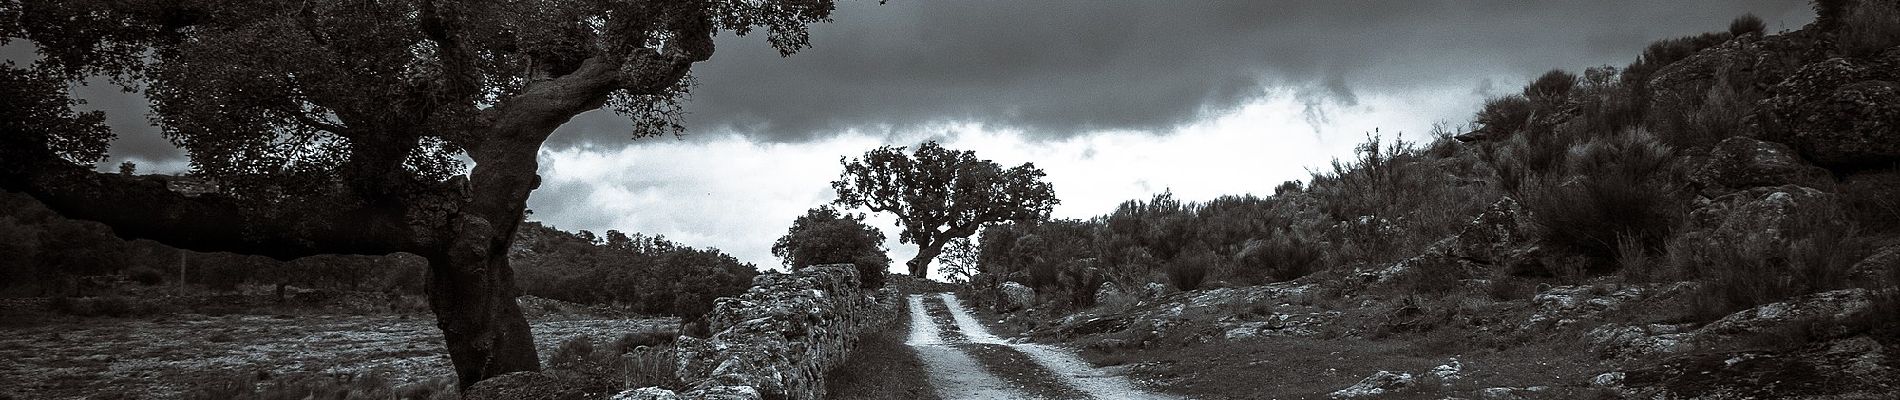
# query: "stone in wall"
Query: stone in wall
{"points": [[777, 340]]}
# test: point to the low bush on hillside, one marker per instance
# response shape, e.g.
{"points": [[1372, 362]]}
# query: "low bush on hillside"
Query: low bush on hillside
{"points": [[1813, 253], [825, 236], [1614, 189], [1869, 28], [647, 274], [1746, 24]]}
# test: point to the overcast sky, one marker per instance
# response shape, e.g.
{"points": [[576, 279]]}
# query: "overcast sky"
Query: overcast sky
{"points": [[1116, 100]]}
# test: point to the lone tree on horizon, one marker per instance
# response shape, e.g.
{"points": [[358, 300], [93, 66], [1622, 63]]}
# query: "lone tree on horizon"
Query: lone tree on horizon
{"points": [[940, 194], [336, 127]]}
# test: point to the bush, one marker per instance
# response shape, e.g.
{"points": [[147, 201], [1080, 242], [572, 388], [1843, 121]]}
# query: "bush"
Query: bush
{"points": [[574, 353], [1280, 257], [1869, 27], [825, 236], [1189, 269], [1503, 116], [1551, 87], [1815, 253], [1746, 24], [1873, 200], [1617, 188]]}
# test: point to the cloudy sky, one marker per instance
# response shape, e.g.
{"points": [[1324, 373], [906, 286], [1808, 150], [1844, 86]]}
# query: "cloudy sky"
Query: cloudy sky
{"points": [[1116, 100]]}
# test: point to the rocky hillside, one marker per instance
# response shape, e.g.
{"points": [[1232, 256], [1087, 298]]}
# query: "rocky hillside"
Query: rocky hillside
{"points": [[1717, 219]]}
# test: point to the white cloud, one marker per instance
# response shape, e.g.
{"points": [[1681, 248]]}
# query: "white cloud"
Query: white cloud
{"points": [[736, 194]]}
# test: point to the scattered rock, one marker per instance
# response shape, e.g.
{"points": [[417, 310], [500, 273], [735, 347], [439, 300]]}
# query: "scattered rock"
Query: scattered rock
{"points": [[1017, 297], [1625, 342], [1511, 393], [647, 393], [1742, 162], [1112, 295], [1563, 305], [1448, 372], [1610, 379], [1378, 384]]}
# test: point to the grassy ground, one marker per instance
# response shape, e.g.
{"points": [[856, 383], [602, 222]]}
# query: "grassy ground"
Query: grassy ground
{"points": [[882, 367], [167, 356], [1297, 368]]}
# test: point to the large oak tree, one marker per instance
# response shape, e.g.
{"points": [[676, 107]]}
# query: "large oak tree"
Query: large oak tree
{"points": [[940, 194], [337, 127]]}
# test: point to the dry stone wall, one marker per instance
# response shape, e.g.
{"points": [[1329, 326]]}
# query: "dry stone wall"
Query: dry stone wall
{"points": [[777, 340]]}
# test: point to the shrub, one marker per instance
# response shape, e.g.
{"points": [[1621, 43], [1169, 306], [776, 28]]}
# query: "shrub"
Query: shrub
{"points": [[1873, 200], [574, 353], [1618, 189], [1551, 87], [1868, 28], [1189, 269], [825, 236], [1664, 52], [1502, 116], [1814, 253], [1746, 24], [1280, 257], [1700, 119]]}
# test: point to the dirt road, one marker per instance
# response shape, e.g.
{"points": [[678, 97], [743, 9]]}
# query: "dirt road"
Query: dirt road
{"points": [[966, 361]]}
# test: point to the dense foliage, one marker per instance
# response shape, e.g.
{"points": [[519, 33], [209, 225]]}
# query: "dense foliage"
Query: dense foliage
{"points": [[939, 194], [825, 236]]}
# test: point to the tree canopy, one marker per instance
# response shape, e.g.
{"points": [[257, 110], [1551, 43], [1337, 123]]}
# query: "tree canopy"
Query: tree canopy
{"points": [[343, 127], [825, 236], [939, 194]]}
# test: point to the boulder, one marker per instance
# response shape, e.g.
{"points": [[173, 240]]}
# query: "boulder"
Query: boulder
{"points": [[1448, 373], [1743, 162], [1809, 309], [1633, 341], [1878, 268], [1378, 384], [1016, 297], [1513, 393], [1840, 113], [1112, 295], [1756, 211], [647, 393]]}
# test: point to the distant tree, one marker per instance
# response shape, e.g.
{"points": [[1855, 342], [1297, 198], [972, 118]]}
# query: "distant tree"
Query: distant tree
{"points": [[940, 194], [825, 236], [959, 260], [336, 127], [128, 168]]}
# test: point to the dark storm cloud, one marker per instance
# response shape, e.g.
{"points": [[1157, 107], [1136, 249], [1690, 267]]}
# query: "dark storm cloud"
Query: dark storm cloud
{"points": [[1062, 67]]}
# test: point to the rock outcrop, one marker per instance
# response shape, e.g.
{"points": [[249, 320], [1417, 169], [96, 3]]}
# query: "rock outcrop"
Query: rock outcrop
{"points": [[1378, 384], [778, 339], [1742, 162], [1839, 112], [1757, 211]]}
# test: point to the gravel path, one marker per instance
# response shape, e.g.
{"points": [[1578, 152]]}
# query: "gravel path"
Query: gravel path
{"points": [[946, 352], [954, 373]]}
